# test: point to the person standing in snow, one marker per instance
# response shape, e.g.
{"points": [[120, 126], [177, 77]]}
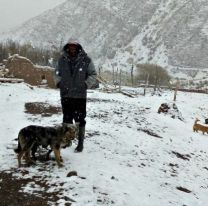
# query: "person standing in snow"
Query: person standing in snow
{"points": [[74, 74]]}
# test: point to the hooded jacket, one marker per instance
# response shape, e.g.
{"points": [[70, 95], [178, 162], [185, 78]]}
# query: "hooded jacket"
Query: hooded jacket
{"points": [[74, 77]]}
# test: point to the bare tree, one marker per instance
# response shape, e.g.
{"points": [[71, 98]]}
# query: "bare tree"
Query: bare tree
{"points": [[147, 82], [36, 55]]}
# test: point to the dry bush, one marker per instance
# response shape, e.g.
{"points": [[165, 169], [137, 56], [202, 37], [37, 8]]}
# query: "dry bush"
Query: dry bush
{"points": [[157, 75]]}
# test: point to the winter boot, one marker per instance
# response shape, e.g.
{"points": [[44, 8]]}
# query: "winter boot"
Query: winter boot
{"points": [[81, 135]]}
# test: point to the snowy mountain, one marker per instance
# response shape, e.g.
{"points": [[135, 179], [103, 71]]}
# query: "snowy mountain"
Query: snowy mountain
{"points": [[132, 156], [120, 32]]}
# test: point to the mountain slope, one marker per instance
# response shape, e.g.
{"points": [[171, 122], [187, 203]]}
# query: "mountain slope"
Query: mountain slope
{"points": [[167, 32]]}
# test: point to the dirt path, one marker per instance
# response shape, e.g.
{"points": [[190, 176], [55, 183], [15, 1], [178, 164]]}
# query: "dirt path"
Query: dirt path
{"points": [[12, 194]]}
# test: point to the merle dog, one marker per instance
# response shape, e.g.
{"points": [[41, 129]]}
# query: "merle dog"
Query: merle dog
{"points": [[30, 137]]}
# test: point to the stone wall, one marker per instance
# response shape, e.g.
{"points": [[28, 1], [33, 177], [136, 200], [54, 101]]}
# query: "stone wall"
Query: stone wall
{"points": [[23, 68]]}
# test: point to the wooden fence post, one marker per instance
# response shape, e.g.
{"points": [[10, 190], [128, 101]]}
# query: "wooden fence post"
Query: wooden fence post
{"points": [[120, 81], [132, 75], [176, 89]]}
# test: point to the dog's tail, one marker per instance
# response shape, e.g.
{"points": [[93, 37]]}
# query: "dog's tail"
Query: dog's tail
{"points": [[197, 120], [18, 149]]}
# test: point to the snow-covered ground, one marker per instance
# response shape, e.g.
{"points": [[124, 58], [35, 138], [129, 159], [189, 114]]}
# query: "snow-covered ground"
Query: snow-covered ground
{"points": [[133, 155]]}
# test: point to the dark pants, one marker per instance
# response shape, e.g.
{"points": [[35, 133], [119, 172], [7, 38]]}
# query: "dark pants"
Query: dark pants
{"points": [[74, 109]]}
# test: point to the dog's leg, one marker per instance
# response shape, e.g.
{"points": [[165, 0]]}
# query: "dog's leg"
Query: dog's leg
{"points": [[19, 157], [48, 154], [28, 158], [57, 156], [21, 154], [61, 159], [27, 154], [34, 149]]}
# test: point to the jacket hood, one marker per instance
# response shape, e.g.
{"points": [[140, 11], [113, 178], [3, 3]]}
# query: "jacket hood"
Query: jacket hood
{"points": [[81, 52], [72, 41]]}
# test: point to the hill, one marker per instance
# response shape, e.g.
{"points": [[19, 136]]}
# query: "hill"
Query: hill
{"points": [[118, 33]]}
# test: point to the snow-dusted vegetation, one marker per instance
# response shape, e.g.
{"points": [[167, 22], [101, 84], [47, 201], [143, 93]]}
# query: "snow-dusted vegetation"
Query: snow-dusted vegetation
{"points": [[170, 33]]}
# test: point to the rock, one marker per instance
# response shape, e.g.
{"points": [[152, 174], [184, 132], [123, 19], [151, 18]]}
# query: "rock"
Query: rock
{"points": [[72, 173], [183, 189], [170, 109], [182, 156]]}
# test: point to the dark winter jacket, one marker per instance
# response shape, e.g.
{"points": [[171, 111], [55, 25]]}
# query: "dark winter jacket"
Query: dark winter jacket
{"points": [[74, 77]]}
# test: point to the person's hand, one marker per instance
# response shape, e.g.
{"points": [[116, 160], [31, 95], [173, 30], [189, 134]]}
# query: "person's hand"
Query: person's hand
{"points": [[85, 86], [58, 85]]}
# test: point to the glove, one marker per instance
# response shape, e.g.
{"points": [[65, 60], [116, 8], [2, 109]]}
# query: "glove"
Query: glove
{"points": [[86, 86]]}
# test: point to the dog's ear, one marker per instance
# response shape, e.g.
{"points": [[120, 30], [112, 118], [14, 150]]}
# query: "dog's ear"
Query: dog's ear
{"points": [[69, 128], [72, 129], [65, 129]]}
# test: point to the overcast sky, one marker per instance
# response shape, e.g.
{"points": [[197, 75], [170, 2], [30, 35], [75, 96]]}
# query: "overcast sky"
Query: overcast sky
{"points": [[15, 12]]}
